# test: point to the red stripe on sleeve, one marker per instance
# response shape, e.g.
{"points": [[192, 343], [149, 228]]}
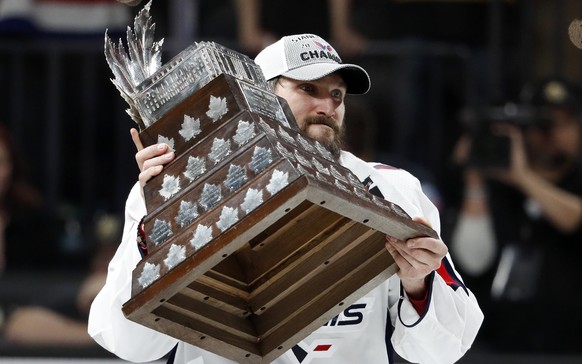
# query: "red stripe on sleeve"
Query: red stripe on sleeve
{"points": [[322, 347], [448, 275]]}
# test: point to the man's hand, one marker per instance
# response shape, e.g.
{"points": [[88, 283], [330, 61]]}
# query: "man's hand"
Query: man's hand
{"points": [[150, 160], [416, 259]]}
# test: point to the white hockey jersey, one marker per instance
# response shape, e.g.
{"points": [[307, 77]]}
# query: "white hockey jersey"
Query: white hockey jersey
{"points": [[366, 332]]}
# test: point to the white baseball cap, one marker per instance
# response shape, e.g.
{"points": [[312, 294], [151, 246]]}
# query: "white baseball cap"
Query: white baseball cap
{"points": [[308, 57]]}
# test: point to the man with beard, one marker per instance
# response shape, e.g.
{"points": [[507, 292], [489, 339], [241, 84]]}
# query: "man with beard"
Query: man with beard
{"points": [[425, 313]]}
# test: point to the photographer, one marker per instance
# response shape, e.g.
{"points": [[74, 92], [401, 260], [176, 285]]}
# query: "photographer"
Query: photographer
{"points": [[519, 228]]}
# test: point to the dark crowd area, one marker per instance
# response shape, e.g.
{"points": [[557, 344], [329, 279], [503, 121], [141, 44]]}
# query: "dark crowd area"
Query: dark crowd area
{"points": [[465, 95]]}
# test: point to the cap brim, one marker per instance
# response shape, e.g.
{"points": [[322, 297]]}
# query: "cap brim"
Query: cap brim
{"points": [[356, 78]]}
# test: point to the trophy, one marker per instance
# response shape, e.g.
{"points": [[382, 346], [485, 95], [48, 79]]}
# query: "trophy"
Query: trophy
{"points": [[255, 235]]}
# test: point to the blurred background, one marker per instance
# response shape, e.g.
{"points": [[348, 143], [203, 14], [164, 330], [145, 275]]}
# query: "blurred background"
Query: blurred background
{"points": [[439, 70]]}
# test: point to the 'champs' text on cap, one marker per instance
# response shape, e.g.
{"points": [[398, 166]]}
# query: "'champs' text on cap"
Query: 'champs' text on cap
{"points": [[308, 57]]}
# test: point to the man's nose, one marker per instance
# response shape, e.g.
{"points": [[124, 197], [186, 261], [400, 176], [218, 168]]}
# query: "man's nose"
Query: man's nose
{"points": [[326, 106]]}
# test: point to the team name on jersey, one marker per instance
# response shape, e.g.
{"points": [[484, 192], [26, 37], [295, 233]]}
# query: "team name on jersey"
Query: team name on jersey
{"points": [[325, 348], [352, 315]]}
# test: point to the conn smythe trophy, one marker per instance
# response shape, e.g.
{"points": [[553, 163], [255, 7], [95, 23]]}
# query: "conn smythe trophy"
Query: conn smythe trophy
{"points": [[256, 237]]}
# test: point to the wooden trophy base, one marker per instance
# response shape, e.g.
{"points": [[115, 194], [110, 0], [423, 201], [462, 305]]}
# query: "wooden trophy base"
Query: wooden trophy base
{"points": [[275, 251]]}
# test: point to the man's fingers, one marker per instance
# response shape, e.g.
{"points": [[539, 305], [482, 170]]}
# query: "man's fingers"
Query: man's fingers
{"points": [[157, 154], [411, 256], [422, 220], [151, 167], [149, 173], [400, 261], [152, 157], [136, 139], [433, 246], [409, 266], [422, 254]]}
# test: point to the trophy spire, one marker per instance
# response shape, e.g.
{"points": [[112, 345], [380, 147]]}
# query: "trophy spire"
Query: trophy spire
{"points": [[151, 88], [143, 59]]}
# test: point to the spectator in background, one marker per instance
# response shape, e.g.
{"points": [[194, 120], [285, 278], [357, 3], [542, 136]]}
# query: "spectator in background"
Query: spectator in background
{"points": [[257, 28], [28, 232], [36, 309], [331, 17], [531, 213], [62, 321]]}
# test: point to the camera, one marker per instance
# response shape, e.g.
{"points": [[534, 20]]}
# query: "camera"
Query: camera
{"points": [[490, 149]]}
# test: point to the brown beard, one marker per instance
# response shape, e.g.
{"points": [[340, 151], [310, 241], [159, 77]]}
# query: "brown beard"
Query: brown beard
{"points": [[335, 145]]}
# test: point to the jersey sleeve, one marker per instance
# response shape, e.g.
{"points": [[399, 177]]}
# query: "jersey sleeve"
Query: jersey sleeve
{"points": [[452, 317], [107, 324], [444, 332]]}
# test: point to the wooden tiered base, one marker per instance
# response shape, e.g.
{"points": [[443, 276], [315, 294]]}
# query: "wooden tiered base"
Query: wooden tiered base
{"points": [[291, 261]]}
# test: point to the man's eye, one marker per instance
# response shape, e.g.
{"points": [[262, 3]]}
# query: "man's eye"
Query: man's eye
{"points": [[307, 88], [337, 95]]}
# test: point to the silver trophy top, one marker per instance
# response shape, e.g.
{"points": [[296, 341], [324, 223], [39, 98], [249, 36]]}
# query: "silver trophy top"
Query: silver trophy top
{"points": [[150, 88]]}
